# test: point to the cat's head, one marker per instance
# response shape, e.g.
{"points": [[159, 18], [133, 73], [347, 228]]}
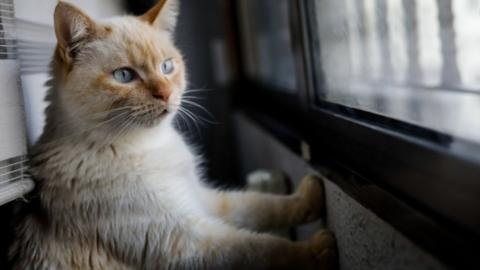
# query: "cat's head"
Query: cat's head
{"points": [[121, 73]]}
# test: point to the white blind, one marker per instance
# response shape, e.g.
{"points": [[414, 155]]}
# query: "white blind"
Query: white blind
{"points": [[13, 183], [27, 41]]}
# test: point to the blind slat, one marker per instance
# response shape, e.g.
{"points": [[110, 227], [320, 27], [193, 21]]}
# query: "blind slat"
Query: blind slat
{"points": [[13, 183]]}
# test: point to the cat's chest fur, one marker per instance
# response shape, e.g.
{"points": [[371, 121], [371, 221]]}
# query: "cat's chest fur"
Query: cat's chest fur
{"points": [[156, 171], [84, 187]]}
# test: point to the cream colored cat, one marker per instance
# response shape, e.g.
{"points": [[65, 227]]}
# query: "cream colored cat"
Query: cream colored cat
{"points": [[117, 186]]}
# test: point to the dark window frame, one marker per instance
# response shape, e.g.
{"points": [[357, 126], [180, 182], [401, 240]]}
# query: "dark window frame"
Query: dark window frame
{"points": [[389, 166]]}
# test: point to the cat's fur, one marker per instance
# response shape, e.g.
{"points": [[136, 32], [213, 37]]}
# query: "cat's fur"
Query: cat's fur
{"points": [[117, 186]]}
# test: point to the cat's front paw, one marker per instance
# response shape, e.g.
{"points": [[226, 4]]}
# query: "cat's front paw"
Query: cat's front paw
{"points": [[310, 199], [324, 249]]}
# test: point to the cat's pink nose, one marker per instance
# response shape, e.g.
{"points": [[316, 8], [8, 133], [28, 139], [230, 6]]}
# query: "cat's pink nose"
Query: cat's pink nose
{"points": [[161, 94]]}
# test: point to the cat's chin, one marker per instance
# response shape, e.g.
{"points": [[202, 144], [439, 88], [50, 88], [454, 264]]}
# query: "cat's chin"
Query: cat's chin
{"points": [[152, 121], [164, 118]]}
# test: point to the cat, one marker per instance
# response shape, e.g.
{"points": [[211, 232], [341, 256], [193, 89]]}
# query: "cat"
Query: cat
{"points": [[117, 187]]}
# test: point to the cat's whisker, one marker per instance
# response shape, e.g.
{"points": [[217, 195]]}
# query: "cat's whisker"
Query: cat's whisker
{"points": [[190, 116], [119, 121], [108, 120], [180, 118], [111, 137], [195, 119], [128, 127], [113, 119], [120, 108], [190, 97], [185, 122], [106, 113], [96, 116], [120, 127], [200, 107], [190, 128], [200, 90], [179, 121], [189, 113], [200, 118]]}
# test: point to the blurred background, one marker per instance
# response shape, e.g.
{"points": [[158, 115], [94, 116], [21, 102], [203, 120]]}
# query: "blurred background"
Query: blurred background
{"points": [[381, 97]]}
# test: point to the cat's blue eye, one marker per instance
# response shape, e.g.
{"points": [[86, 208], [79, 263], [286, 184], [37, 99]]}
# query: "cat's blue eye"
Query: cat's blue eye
{"points": [[124, 75], [167, 66]]}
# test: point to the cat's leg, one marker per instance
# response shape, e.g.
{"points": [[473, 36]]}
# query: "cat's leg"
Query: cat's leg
{"points": [[221, 246], [259, 211], [211, 244]]}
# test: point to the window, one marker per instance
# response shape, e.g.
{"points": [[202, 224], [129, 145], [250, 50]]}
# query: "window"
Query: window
{"points": [[414, 61], [387, 95], [267, 43]]}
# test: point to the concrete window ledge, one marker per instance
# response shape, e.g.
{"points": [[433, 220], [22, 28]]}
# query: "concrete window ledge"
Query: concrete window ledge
{"points": [[365, 241]]}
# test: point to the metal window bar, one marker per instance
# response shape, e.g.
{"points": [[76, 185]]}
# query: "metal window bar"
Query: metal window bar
{"points": [[450, 74], [14, 183]]}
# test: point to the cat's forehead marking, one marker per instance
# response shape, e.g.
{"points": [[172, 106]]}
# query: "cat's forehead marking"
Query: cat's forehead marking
{"points": [[145, 47]]}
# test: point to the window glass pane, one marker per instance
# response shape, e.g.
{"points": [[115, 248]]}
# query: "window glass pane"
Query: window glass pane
{"points": [[416, 61], [267, 43]]}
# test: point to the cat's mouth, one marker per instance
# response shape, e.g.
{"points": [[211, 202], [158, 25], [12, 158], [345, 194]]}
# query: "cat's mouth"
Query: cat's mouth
{"points": [[129, 117], [150, 115]]}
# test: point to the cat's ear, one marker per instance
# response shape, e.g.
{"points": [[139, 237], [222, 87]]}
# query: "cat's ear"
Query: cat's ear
{"points": [[73, 28], [163, 15]]}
